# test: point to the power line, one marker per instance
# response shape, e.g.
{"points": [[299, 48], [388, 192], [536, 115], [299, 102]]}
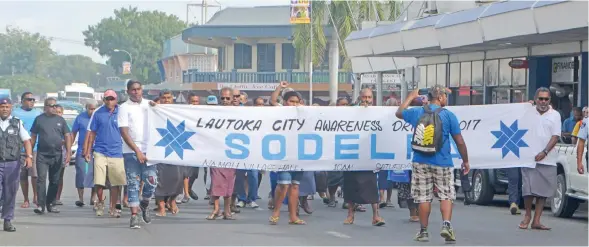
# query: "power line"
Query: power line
{"points": [[59, 39]]}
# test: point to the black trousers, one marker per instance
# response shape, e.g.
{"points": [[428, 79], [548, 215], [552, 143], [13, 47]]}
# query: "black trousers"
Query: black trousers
{"points": [[48, 167], [193, 175]]}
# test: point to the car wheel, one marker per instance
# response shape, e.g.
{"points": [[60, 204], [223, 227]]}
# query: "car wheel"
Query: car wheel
{"points": [[562, 205], [482, 192]]}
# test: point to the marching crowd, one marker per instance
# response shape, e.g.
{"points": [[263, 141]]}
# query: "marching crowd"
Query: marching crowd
{"points": [[113, 138]]}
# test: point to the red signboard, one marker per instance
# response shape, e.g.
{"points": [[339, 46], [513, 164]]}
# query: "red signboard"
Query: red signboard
{"points": [[518, 64]]}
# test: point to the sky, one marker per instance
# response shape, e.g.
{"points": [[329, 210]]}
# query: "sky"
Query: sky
{"points": [[64, 21]]}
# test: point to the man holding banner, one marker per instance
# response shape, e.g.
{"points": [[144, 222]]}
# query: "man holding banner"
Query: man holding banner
{"points": [[540, 182], [361, 187], [133, 123], [223, 179], [432, 164]]}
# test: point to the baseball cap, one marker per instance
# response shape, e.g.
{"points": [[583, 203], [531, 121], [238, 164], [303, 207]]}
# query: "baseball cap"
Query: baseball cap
{"points": [[212, 100], [5, 100], [110, 93]]}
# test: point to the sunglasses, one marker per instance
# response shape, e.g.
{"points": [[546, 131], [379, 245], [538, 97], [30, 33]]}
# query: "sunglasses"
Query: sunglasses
{"points": [[29, 99], [543, 99], [236, 96], [109, 98], [52, 106], [225, 98]]}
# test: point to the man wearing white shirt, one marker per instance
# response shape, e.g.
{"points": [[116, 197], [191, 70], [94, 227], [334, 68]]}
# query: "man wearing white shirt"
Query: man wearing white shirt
{"points": [[133, 123], [540, 182]]}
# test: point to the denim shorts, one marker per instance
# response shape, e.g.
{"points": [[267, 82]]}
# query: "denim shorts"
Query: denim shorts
{"points": [[290, 177]]}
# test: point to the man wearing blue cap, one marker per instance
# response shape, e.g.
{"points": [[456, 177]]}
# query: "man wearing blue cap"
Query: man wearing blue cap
{"points": [[13, 136]]}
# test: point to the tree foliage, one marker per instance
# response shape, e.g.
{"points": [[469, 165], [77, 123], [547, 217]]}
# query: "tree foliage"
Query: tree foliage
{"points": [[141, 33], [23, 52], [341, 18], [28, 83], [27, 63]]}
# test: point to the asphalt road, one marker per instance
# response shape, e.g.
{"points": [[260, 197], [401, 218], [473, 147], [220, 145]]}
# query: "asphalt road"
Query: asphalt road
{"points": [[474, 225]]}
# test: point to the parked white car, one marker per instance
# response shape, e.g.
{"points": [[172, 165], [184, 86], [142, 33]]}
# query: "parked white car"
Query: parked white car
{"points": [[571, 187]]}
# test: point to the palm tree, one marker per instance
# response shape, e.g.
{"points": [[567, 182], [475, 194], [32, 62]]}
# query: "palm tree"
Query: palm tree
{"points": [[342, 17]]}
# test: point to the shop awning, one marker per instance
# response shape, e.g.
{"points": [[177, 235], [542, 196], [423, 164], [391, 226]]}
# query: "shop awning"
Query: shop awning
{"points": [[500, 25]]}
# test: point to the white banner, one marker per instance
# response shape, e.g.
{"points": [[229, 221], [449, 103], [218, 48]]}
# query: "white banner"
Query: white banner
{"points": [[330, 138]]}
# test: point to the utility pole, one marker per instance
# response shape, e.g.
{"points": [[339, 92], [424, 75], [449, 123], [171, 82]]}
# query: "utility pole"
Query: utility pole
{"points": [[204, 6]]}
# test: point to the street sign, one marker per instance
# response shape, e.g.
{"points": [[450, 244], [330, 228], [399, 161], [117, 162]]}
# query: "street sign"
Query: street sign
{"points": [[126, 68]]}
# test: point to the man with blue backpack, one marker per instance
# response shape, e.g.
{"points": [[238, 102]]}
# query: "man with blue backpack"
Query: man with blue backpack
{"points": [[432, 162]]}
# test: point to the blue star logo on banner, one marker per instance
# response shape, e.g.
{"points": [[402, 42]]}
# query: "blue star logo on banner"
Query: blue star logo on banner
{"points": [[509, 139], [175, 139]]}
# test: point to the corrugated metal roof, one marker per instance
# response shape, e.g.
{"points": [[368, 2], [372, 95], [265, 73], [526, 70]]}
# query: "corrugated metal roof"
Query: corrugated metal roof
{"points": [[252, 16]]}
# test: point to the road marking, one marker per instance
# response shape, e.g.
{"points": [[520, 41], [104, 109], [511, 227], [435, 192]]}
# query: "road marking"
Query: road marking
{"points": [[338, 234]]}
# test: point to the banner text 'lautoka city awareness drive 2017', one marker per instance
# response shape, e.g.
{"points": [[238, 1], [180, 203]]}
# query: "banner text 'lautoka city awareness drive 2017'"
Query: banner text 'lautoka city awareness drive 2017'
{"points": [[330, 138]]}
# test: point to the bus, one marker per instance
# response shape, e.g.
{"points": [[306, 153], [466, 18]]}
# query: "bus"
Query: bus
{"points": [[78, 92]]}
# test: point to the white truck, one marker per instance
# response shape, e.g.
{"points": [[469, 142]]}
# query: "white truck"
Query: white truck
{"points": [[571, 187]]}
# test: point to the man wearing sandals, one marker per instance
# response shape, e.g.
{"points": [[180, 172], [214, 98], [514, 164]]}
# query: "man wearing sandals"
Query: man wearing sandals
{"points": [[103, 131], [287, 181], [434, 169], [84, 169], [361, 187], [540, 182], [223, 179]]}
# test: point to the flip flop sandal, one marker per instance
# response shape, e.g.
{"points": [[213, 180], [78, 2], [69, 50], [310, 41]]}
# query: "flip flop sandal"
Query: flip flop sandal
{"points": [[541, 227], [175, 210], [228, 217], [523, 225], [25, 205], [297, 222], [349, 222], [273, 220], [359, 208], [213, 216], [379, 222]]}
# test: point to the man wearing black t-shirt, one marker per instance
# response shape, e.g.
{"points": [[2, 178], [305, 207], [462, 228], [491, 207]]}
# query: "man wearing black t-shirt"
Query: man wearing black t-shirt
{"points": [[49, 129]]}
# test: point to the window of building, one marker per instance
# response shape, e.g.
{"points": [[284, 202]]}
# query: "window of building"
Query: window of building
{"points": [[477, 96], [477, 73], [422, 77], [242, 55], [520, 76], [441, 75], [289, 58], [504, 72], [465, 74], [431, 75], [454, 75], [491, 71]]}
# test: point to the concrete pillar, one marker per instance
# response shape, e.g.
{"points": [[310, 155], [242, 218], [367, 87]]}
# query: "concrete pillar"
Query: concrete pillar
{"points": [[540, 74], [584, 86], [379, 89], [333, 68], [357, 86]]}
